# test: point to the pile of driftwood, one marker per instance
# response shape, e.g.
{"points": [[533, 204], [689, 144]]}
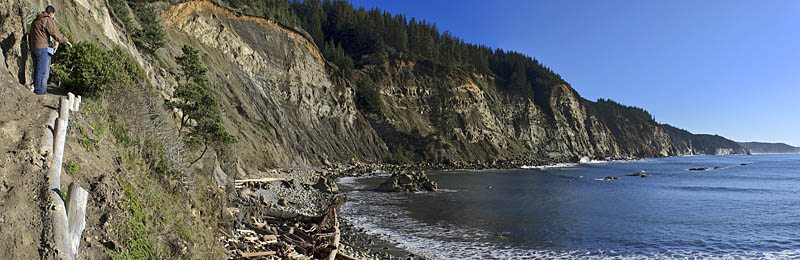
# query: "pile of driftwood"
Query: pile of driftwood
{"points": [[263, 232]]}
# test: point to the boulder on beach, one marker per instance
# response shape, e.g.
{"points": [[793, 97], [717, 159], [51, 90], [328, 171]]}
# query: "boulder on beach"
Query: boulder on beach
{"points": [[326, 185], [408, 181]]}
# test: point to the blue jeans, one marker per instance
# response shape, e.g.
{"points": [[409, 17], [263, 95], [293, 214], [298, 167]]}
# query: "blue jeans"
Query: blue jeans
{"points": [[41, 70]]}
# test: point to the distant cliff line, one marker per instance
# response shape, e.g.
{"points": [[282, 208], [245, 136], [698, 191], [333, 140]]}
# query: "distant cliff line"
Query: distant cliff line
{"points": [[769, 148]]}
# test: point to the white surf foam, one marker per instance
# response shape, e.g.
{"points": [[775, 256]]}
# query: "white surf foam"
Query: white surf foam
{"points": [[549, 166]]}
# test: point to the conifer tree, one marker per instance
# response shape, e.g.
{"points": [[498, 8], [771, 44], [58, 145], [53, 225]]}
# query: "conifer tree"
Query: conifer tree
{"points": [[197, 102]]}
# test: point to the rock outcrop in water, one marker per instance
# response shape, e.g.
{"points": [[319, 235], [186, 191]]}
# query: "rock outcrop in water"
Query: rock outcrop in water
{"points": [[408, 181]]}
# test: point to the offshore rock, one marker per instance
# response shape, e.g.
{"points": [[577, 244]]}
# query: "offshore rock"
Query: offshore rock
{"points": [[408, 181], [642, 174]]}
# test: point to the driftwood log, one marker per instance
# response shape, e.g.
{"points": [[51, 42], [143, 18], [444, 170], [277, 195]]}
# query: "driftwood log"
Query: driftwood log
{"points": [[337, 235], [68, 219], [263, 232]]}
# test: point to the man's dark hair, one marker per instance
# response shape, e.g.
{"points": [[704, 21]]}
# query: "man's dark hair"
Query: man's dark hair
{"points": [[50, 9]]}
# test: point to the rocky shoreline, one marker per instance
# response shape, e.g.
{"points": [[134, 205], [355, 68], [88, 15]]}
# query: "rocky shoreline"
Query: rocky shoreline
{"points": [[291, 214], [313, 194], [286, 214]]}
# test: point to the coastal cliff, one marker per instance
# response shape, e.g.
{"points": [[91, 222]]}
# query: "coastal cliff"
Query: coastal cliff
{"points": [[760, 147], [292, 108], [288, 107], [301, 108]]}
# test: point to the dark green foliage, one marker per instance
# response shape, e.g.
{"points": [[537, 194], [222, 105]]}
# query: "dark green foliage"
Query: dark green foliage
{"points": [[191, 66], [198, 103], [335, 54], [278, 10], [150, 34], [607, 107], [87, 69], [368, 98], [618, 117], [121, 12]]}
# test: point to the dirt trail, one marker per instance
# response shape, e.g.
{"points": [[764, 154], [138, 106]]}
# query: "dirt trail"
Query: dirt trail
{"points": [[22, 173]]}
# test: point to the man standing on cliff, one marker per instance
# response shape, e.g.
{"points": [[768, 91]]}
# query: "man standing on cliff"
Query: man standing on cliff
{"points": [[42, 28]]}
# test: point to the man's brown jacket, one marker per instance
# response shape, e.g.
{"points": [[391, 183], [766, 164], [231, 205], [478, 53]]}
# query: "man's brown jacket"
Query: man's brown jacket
{"points": [[41, 29]]}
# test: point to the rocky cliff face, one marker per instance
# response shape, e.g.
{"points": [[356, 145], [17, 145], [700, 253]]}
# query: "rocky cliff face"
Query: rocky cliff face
{"points": [[290, 108], [449, 117], [279, 96], [13, 40], [293, 110], [760, 147], [454, 117]]}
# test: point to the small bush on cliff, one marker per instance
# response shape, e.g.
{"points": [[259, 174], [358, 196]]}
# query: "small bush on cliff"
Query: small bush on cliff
{"points": [[368, 97], [150, 34], [335, 54], [120, 10], [197, 102], [87, 69]]}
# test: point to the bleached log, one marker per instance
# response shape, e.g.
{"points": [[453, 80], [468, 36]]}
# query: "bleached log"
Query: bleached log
{"points": [[76, 212], [60, 227], [340, 256], [245, 231], [67, 228], [260, 180], [60, 137], [270, 239], [51, 120], [59, 213], [266, 253], [77, 104], [46, 144], [71, 98], [336, 237]]}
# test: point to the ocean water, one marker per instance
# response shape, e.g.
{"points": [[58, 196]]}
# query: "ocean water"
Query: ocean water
{"points": [[734, 212]]}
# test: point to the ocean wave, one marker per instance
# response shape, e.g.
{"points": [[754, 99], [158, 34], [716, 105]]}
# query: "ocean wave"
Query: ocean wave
{"points": [[543, 167], [583, 160], [431, 246], [382, 216], [723, 189]]}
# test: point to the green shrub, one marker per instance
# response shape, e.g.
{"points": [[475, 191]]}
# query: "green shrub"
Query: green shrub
{"points": [[367, 95], [73, 168], [197, 102], [120, 10], [150, 34], [87, 69], [335, 54]]}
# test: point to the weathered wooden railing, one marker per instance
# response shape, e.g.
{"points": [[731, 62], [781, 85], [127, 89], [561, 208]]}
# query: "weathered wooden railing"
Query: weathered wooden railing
{"points": [[68, 219]]}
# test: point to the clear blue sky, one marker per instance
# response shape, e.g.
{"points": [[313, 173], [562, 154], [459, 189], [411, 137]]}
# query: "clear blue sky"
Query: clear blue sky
{"points": [[722, 67]]}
